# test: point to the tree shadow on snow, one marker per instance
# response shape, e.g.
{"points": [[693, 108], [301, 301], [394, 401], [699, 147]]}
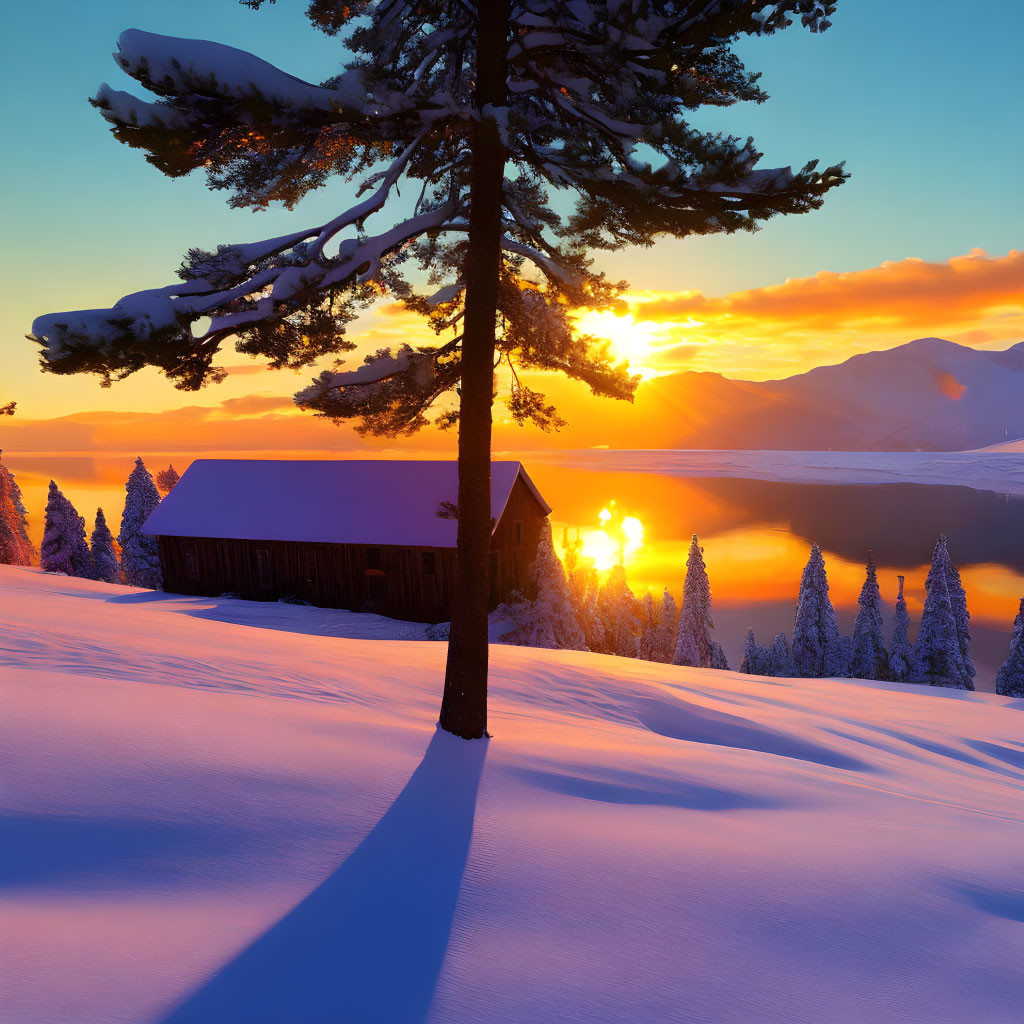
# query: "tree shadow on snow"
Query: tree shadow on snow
{"points": [[367, 944], [997, 902]]}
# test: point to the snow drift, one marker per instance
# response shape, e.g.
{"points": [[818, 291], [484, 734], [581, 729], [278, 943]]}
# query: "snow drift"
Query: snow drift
{"points": [[210, 821]]}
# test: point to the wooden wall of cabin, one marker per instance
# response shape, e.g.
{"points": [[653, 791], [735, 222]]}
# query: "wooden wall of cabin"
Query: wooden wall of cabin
{"points": [[514, 544], [402, 582]]}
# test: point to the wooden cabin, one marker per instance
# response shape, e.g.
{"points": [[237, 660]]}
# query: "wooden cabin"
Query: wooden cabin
{"points": [[361, 534]]}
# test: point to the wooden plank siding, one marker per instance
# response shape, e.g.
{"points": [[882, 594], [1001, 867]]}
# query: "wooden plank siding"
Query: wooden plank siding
{"points": [[403, 582]]}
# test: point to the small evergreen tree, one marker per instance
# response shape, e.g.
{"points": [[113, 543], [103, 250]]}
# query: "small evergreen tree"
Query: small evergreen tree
{"points": [[901, 657], [105, 566], [938, 660], [64, 548], [649, 641], [870, 659], [818, 649], [941, 562], [667, 627], [594, 631], [140, 553], [548, 620], [718, 658], [166, 479], [15, 546], [693, 642], [1010, 675], [779, 658], [619, 614], [756, 659]]}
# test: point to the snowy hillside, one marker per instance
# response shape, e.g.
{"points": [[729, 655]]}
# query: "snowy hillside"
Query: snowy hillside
{"points": [[210, 821]]}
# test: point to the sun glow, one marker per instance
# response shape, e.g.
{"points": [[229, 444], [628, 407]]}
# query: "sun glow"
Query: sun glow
{"points": [[618, 539], [630, 340]]}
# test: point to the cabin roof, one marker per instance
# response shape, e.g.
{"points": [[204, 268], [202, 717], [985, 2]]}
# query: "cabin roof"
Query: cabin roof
{"points": [[357, 501]]}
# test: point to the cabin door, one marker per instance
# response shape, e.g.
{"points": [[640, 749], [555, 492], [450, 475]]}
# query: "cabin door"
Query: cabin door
{"points": [[309, 575], [375, 588]]}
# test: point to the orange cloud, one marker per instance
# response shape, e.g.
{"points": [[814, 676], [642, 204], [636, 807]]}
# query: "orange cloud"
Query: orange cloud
{"points": [[911, 293]]}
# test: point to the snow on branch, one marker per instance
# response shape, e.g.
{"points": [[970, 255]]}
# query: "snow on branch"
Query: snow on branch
{"points": [[168, 66]]}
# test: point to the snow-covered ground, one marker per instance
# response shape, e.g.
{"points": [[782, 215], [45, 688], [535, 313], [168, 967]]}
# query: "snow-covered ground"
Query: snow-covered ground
{"points": [[992, 470], [212, 821]]}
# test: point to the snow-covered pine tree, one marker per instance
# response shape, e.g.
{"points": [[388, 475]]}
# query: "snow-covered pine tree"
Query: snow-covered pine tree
{"points": [[105, 566], [937, 651], [166, 479], [140, 553], [901, 655], [870, 658], [548, 620], [818, 649], [648, 642], [1010, 675], [779, 658], [693, 642], [667, 625], [64, 548], [941, 562], [756, 659], [486, 111], [618, 607], [15, 546], [591, 620], [718, 658]]}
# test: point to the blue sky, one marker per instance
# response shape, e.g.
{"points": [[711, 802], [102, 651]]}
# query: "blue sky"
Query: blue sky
{"points": [[921, 99]]}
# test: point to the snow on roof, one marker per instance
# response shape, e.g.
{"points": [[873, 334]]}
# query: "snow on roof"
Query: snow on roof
{"points": [[325, 501]]}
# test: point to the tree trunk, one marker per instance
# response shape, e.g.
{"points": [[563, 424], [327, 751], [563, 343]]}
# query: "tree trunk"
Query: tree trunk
{"points": [[464, 705]]}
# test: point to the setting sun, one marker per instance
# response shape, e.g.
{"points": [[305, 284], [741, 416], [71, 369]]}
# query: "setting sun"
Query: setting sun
{"points": [[630, 340]]}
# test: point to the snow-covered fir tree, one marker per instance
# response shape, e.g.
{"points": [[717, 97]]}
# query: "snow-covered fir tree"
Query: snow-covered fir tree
{"points": [[943, 564], [779, 658], [485, 113], [64, 548], [756, 658], [548, 620], [668, 622], [140, 552], [818, 648], [618, 607], [901, 654], [648, 642], [937, 651], [718, 658], [591, 620], [870, 659], [15, 546], [166, 479], [1010, 675], [105, 566], [693, 642]]}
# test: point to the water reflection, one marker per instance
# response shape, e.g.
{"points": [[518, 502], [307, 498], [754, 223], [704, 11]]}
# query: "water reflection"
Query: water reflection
{"points": [[755, 534]]}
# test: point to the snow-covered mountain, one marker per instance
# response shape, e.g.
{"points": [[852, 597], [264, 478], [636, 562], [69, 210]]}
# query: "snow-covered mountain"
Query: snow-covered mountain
{"points": [[929, 394]]}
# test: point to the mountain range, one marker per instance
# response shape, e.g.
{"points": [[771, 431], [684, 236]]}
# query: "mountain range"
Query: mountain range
{"points": [[930, 394]]}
